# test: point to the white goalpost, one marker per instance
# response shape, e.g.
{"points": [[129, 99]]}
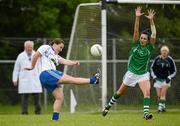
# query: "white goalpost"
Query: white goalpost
{"points": [[104, 60], [104, 35]]}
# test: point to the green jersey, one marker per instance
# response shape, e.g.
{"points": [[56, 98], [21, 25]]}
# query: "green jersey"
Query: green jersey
{"points": [[139, 58]]}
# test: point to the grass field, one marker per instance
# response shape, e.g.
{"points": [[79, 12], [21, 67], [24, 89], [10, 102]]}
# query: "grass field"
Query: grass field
{"points": [[92, 119], [9, 117]]}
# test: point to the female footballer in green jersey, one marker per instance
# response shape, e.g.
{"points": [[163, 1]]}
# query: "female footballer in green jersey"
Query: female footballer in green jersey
{"points": [[138, 63]]}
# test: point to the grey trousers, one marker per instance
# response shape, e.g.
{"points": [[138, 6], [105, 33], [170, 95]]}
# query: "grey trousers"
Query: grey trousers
{"points": [[24, 103]]}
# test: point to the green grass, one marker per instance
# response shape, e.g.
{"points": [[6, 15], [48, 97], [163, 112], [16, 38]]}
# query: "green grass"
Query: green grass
{"points": [[88, 119], [92, 119]]}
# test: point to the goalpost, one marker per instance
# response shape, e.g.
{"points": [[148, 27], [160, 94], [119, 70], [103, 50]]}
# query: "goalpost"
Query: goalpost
{"points": [[104, 35], [103, 20]]}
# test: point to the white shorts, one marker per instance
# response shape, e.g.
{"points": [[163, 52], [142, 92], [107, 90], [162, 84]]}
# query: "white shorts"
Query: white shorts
{"points": [[131, 79], [160, 84]]}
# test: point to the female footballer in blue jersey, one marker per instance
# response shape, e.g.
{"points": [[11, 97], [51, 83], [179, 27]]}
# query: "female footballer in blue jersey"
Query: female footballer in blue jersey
{"points": [[47, 58], [138, 63], [163, 70]]}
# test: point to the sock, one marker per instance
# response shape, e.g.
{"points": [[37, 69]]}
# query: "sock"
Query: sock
{"points": [[161, 104], [93, 80], [146, 106], [112, 101], [55, 116]]}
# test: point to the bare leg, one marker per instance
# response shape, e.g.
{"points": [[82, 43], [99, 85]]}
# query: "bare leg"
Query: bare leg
{"points": [[122, 89], [145, 88], [59, 97], [164, 92], [158, 92], [66, 79], [162, 100]]}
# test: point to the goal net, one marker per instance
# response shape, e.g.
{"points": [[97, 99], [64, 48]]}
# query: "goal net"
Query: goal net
{"points": [[86, 31]]}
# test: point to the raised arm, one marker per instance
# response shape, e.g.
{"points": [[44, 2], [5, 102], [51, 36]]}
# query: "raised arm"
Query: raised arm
{"points": [[138, 13], [150, 16]]}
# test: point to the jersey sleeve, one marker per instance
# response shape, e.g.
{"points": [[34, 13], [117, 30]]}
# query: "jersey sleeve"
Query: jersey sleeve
{"points": [[59, 57], [172, 67], [16, 69], [154, 67], [42, 49], [150, 47]]}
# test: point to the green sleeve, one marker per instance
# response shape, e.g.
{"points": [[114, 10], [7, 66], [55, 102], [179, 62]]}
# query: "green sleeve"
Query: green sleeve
{"points": [[150, 47]]}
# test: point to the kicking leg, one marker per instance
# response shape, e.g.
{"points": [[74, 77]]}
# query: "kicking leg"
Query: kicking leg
{"points": [[67, 79]]}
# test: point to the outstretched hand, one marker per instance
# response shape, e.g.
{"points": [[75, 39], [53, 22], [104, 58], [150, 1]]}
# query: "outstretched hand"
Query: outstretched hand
{"points": [[77, 62], [151, 14], [138, 11]]}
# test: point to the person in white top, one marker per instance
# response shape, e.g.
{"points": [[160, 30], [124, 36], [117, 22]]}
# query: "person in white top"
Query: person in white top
{"points": [[48, 58], [27, 81]]}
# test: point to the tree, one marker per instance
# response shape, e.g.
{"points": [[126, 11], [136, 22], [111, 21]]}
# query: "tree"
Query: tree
{"points": [[32, 18]]}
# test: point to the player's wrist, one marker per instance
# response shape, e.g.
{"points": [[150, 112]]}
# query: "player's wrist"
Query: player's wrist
{"points": [[138, 16], [168, 79], [154, 77]]}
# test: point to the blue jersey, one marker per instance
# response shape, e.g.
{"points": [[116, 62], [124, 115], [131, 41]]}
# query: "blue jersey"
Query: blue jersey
{"points": [[163, 68]]}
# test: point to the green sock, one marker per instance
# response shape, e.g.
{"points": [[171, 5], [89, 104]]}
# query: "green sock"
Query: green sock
{"points": [[112, 101], [162, 103], [146, 106]]}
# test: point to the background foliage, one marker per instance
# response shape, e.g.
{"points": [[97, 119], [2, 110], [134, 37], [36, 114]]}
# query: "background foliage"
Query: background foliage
{"points": [[54, 18], [37, 18]]}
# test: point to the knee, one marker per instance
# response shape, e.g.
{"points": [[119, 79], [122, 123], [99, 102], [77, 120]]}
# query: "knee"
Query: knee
{"points": [[159, 96], [147, 93], [60, 97], [119, 92], [163, 95], [122, 89]]}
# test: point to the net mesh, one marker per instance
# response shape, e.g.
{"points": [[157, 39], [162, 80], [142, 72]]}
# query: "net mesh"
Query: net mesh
{"points": [[87, 32], [120, 24], [120, 21]]}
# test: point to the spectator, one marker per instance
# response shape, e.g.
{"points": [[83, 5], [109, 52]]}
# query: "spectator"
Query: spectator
{"points": [[27, 81]]}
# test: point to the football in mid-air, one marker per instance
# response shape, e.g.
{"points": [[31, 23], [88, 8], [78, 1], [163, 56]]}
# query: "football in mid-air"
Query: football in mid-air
{"points": [[96, 50]]}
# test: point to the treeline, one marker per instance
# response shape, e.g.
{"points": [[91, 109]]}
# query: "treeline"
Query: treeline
{"points": [[37, 18]]}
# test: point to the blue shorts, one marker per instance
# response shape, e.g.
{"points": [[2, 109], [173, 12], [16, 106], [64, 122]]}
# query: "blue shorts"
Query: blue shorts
{"points": [[49, 79]]}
